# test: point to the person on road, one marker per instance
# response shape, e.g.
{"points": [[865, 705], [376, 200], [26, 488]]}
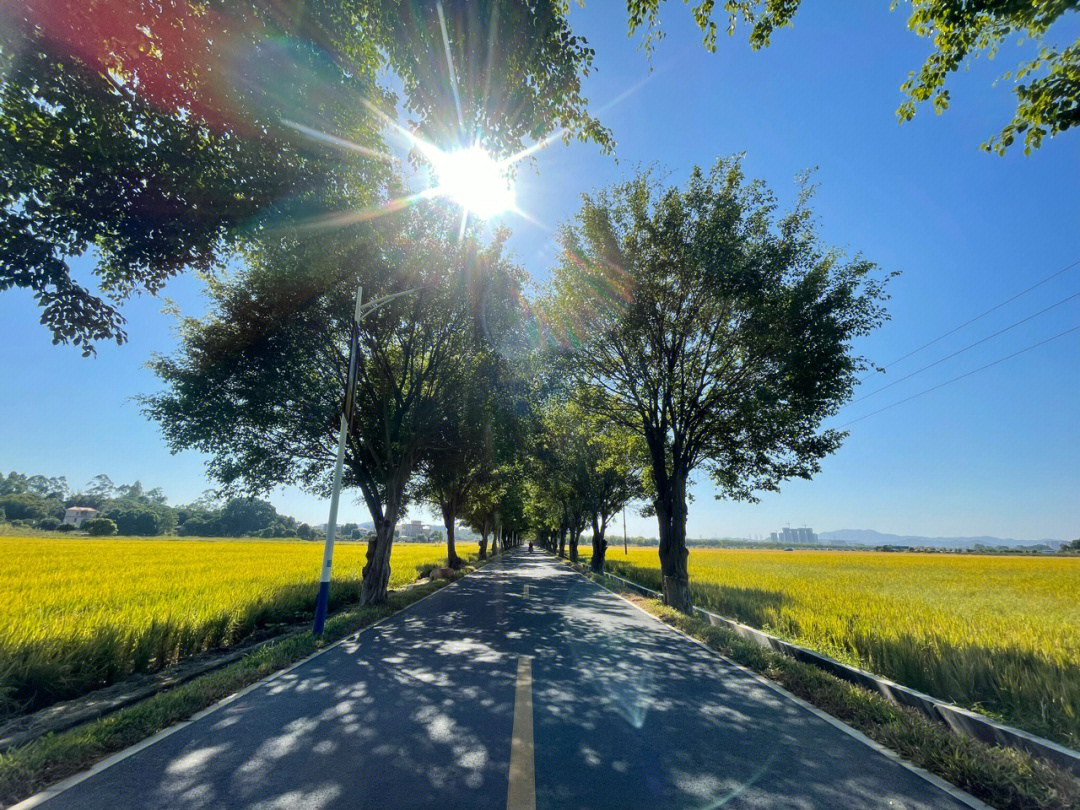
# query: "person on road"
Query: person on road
{"points": [[530, 546]]}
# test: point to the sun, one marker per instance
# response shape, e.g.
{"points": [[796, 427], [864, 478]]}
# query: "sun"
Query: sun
{"points": [[473, 179]]}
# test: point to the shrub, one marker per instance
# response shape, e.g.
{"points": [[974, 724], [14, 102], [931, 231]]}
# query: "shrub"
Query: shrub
{"points": [[49, 524], [99, 527], [66, 527]]}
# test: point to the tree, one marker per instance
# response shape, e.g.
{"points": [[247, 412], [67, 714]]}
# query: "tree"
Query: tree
{"points": [[25, 506], [128, 135], [292, 308], [459, 453], [562, 455], [615, 457], [99, 527], [14, 484], [140, 520], [480, 404], [1048, 104], [719, 332], [242, 516], [101, 486]]}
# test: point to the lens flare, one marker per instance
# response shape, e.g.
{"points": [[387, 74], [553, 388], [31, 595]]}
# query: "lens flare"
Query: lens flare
{"points": [[474, 180]]}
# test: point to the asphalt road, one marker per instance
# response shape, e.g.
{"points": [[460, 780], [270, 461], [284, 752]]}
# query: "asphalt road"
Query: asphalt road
{"points": [[523, 685]]}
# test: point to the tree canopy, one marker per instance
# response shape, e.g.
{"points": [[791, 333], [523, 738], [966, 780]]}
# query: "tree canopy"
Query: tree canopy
{"points": [[1048, 85], [257, 384], [715, 329], [157, 138]]}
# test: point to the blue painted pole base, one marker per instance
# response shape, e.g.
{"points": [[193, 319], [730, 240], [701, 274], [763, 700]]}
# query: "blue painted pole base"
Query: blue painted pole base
{"points": [[322, 602]]}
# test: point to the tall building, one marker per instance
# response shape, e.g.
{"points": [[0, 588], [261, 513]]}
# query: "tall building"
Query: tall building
{"points": [[789, 535]]}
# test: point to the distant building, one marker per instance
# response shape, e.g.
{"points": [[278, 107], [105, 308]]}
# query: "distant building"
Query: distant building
{"points": [[413, 528], [75, 515], [788, 535]]}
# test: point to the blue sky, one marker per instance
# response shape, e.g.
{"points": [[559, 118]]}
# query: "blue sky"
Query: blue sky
{"points": [[995, 453]]}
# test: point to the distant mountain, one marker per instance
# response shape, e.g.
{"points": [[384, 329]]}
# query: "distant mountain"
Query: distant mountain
{"points": [[869, 537]]}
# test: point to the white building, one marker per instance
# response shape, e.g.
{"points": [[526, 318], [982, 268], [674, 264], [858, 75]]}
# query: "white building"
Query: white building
{"points": [[789, 535], [414, 528], [75, 515]]}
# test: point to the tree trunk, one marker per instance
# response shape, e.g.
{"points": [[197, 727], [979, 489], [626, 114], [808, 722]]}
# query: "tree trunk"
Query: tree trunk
{"points": [[452, 558], [562, 541], [575, 538], [671, 517], [483, 545], [599, 545], [377, 570]]}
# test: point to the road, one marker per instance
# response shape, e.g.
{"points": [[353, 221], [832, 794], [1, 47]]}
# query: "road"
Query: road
{"points": [[523, 685]]}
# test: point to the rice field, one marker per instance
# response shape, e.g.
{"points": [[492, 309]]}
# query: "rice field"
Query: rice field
{"points": [[997, 634], [80, 613]]}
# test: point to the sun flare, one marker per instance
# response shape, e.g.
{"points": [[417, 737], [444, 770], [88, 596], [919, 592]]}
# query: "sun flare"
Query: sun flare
{"points": [[473, 179]]}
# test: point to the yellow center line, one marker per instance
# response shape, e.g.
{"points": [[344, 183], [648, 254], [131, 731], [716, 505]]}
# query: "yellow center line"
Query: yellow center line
{"points": [[522, 792], [526, 594]]}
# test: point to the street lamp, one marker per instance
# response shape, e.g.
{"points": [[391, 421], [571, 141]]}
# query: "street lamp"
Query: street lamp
{"points": [[362, 311]]}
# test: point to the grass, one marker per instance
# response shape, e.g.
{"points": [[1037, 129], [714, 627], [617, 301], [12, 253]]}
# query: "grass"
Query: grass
{"points": [[31, 767], [1001, 777], [996, 634], [81, 613]]}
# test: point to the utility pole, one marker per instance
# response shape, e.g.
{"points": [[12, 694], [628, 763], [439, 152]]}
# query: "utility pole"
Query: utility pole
{"points": [[323, 599], [624, 547]]}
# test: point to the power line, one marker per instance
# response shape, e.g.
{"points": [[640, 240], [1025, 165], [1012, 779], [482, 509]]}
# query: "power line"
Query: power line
{"points": [[962, 376], [1020, 294], [969, 346]]}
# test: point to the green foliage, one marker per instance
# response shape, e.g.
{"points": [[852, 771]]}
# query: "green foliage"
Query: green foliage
{"points": [[1047, 87], [717, 331], [99, 527], [49, 524], [292, 308], [246, 515], [140, 520], [26, 506], [126, 132]]}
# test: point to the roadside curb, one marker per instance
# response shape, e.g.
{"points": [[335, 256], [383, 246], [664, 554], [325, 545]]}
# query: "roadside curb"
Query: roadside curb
{"points": [[956, 718]]}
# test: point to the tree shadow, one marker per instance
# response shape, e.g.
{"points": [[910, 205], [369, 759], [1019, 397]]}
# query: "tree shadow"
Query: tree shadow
{"points": [[1014, 685], [418, 711]]}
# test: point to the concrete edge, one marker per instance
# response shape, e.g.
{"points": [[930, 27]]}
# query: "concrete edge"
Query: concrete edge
{"points": [[946, 787], [955, 718], [69, 782]]}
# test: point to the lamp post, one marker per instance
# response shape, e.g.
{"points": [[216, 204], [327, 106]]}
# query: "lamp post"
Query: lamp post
{"points": [[323, 599]]}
